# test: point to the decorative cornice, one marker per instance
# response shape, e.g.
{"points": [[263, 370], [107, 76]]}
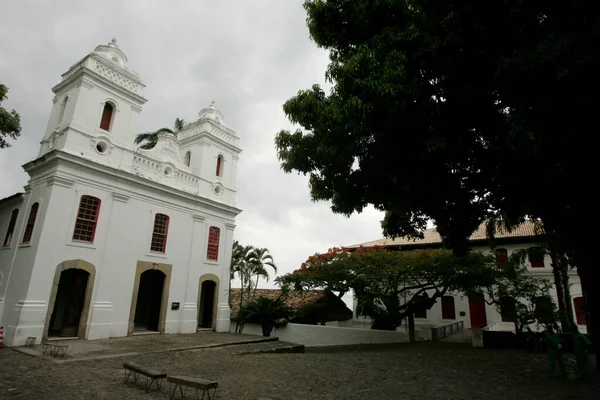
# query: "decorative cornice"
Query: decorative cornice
{"points": [[59, 181], [27, 188], [230, 226], [136, 108], [199, 218], [121, 197]]}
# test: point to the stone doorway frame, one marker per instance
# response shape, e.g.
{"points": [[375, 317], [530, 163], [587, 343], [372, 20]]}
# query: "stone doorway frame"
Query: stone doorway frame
{"points": [[143, 266], [215, 279], [83, 319]]}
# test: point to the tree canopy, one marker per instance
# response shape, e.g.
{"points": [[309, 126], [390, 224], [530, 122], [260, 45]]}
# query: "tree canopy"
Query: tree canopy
{"points": [[10, 121]]}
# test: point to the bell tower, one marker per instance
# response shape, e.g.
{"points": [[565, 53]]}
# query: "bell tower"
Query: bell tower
{"points": [[96, 105]]}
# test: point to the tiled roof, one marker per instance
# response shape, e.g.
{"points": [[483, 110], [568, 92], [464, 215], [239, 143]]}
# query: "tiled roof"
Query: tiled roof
{"points": [[431, 236], [295, 300]]}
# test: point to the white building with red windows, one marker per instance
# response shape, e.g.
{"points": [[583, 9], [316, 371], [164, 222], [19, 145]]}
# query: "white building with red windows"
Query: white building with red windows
{"points": [[474, 310], [107, 239]]}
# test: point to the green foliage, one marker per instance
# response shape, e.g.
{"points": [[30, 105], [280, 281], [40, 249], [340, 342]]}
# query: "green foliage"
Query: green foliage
{"points": [[523, 298], [148, 140], [389, 285], [10, 122], [268, 313]]}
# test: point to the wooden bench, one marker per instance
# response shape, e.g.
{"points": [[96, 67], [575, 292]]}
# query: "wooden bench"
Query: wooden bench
{"points": [[133, 371], [55, 349], [182, 382]]}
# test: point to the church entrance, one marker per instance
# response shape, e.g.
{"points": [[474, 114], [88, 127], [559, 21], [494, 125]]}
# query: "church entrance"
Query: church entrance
{"points": [[207, 304], [149, 300], [68, 306]]}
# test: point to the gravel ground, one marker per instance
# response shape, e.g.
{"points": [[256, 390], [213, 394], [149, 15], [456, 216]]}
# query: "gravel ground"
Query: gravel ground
{"points": [[418, 371]]}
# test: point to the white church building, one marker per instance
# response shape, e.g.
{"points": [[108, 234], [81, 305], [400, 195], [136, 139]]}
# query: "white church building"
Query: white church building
{"points": [[110, 240]]}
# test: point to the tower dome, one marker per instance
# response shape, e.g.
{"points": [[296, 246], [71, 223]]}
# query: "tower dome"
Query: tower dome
{"points": [[112, 52], [211, 112]]}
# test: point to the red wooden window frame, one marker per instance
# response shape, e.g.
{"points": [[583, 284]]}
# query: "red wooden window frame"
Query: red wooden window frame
{"points": [[501, 255], [212, 251], [219, 165], [536, 257], [107, 113], [30, 223], [448, 309], [579, 311], [188, 158], [87, 219], [159, 233], [11, 227]]}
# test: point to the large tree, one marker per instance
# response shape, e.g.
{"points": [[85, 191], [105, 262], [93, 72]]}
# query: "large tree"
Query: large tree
{"points": [[148, 140], [390, 286], [10, 121], [449, 110]]}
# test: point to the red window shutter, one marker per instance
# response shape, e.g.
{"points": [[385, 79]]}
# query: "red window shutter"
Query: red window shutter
{"points": [[87, 219], [501, 256], [448, 310], [219, 166], [536, 257], [421, 313], [579, 311], [159, 234], [212, 252], [11, 227], [107, 113], [30, 223]]}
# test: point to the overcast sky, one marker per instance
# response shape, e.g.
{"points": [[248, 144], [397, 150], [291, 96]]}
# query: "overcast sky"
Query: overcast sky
{"points": [[249, 55]]}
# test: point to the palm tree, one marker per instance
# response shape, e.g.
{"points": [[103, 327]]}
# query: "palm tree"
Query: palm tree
{"points": [[240, 266], [259, 260], [149, 139]]}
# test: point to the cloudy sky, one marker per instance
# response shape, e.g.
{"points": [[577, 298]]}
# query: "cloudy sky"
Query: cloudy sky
{"points": [[249, 55]]}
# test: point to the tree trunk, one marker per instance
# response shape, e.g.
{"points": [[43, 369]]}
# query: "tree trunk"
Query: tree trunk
{"points": [[564, 274], [237, 325], [563, 306], [587, 275], [411, 328], [266, 329]]}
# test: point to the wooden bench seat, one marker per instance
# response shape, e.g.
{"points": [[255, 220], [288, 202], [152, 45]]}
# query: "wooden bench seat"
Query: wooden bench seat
{"points": [[182, 382], [55, 349], [133, 370]]}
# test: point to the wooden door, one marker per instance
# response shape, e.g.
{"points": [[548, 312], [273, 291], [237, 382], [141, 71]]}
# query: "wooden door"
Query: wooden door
{"points": [[477, 310]]}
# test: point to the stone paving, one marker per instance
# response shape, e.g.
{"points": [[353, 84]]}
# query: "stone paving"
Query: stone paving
{"points": [[423, 371], [138, 344]]}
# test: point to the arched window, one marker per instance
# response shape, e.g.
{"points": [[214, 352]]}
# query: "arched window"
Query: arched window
{"points": [[501, 256], [11, 227], [30, 223], [63, 107], [579, 310], [188, 158], [536, 257], [448, 311], [87, 219], [212, 251], [107, 114], [159, 234], [220, 165]]}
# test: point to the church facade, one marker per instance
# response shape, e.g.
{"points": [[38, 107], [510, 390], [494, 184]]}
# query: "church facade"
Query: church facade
{"points": [[110, 240]]}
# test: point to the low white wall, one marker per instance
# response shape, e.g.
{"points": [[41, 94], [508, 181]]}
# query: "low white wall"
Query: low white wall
{"points": [[319, 335]]}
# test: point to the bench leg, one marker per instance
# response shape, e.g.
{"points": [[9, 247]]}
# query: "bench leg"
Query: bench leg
{"points": [[174, 390], [45, 349]]}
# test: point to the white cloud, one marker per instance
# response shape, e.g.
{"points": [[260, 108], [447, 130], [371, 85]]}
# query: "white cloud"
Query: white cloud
{"points": [[251, 56]]}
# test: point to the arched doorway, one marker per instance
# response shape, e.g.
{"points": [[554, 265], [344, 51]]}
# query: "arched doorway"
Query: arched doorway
{"points": [[68, 306], [70, 298], [149, 301], [207, 303], [208, 295], [69, 302]]}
